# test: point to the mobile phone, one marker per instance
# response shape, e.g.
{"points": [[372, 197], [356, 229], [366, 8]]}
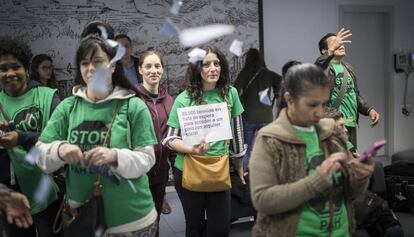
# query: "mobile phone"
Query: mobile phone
{"points": [[372, 150]]}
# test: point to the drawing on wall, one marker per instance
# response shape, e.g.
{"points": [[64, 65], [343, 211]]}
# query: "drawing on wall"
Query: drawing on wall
{"points": [[54, 27]]}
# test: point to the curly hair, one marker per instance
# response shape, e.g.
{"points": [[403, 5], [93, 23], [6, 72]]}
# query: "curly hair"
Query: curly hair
{"points": [[34, 69], [17, 48], [193, 79]]}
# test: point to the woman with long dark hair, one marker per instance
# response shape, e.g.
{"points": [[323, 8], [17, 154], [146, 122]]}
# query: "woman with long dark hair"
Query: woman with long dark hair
{"points": [[207, 83], [253, 78], [102, 129]]}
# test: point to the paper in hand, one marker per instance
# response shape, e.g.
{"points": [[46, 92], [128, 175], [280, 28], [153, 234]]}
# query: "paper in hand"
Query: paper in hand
{"points": [[236, 47], [199, 35]]}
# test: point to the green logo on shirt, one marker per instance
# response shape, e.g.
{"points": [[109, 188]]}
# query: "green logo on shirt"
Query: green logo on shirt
{"points": [[88, 134], [29, 119]]}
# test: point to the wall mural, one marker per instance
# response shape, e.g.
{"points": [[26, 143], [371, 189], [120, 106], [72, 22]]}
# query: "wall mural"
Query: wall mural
{"points": [[54, 27]]}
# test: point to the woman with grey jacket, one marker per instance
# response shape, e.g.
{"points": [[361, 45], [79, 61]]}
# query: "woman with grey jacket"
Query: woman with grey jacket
{"points": [[302, 177]]}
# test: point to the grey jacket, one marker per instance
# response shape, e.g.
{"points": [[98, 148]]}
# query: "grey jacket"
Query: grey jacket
{"points": [[278, 179]]}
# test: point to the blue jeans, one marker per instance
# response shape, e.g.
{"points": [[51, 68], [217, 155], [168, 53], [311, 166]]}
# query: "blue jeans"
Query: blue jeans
{"points": [[249, 132]]}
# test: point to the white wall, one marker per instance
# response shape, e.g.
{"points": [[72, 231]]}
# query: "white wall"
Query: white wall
{"points": [[293, 28]]}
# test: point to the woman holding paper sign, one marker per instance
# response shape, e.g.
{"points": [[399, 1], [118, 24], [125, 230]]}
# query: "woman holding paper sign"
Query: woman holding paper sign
{"points": [[302, 176], [107, 127], [207, 83]]}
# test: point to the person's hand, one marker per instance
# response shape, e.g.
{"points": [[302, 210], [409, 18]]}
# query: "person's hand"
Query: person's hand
{"points": [[70, 154], [342, 37], [100, 156], [9, 139], [374, 115], [362, 170], [4, 197], [238, 165], [201, 148], [332, 164], [17, 210]]}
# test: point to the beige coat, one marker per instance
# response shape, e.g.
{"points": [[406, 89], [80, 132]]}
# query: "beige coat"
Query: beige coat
{"points": [[278, 180]]}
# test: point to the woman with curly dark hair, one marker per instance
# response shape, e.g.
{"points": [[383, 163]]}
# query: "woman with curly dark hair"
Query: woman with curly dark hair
{"points": [[41, 70], [207, 83]]}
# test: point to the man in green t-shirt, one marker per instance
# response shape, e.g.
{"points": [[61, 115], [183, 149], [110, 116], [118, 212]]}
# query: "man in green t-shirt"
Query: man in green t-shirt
{"points": [[348, 99], [25, 108]]}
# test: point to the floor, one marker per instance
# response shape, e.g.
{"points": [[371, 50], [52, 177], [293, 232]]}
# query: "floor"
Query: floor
{"points": [[172, 225]]}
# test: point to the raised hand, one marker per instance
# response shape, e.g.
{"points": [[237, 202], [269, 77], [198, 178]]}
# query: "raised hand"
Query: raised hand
{"points": [[342, 37]]}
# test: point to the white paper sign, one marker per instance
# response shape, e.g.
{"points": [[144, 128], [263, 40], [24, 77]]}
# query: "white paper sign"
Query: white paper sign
{"points": [[209, 122]]}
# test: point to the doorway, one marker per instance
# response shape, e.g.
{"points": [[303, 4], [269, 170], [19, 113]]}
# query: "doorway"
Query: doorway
{"points": [[370, 55]]}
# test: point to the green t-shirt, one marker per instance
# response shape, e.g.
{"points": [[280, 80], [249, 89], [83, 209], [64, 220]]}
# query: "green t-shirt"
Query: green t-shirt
{"points": [[210, 97], [314, 219], [349, 106], [30, 113], [85, 124]]}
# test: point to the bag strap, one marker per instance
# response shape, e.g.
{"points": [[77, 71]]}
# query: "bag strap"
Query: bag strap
{"points": [[409, 197], [250, 82], [98, 186], [325, 151], [342, 91], [106, 140], [228, 108]]}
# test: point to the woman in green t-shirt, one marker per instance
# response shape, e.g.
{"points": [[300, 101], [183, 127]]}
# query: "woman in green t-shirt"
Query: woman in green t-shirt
{"points": [[105, 136], [302, 176], [207, 83]]}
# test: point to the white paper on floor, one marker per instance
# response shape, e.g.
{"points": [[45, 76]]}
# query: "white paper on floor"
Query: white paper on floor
{"points": [[191, 37]]}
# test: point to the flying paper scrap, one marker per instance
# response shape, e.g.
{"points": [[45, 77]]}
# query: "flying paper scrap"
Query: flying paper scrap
{"points": [[199, 35], [168, 29], [264, 97], [175, 8], [236, 47], [196, 54]]}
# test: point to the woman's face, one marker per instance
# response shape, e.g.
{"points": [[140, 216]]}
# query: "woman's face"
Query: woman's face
{"points": [[151, 70], [89, 64], [210, 70], [45, 69], [309, 107], [13, 75]]}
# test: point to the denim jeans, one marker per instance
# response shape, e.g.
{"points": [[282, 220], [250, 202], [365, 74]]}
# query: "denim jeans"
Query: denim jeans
{"points": [[249, 131]]}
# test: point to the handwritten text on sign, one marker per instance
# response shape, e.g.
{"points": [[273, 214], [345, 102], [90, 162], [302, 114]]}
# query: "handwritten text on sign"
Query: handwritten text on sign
{"points": [[209, 122]]}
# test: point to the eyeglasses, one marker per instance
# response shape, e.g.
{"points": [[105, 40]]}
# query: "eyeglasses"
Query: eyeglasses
{"points": [[46, 68]]}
